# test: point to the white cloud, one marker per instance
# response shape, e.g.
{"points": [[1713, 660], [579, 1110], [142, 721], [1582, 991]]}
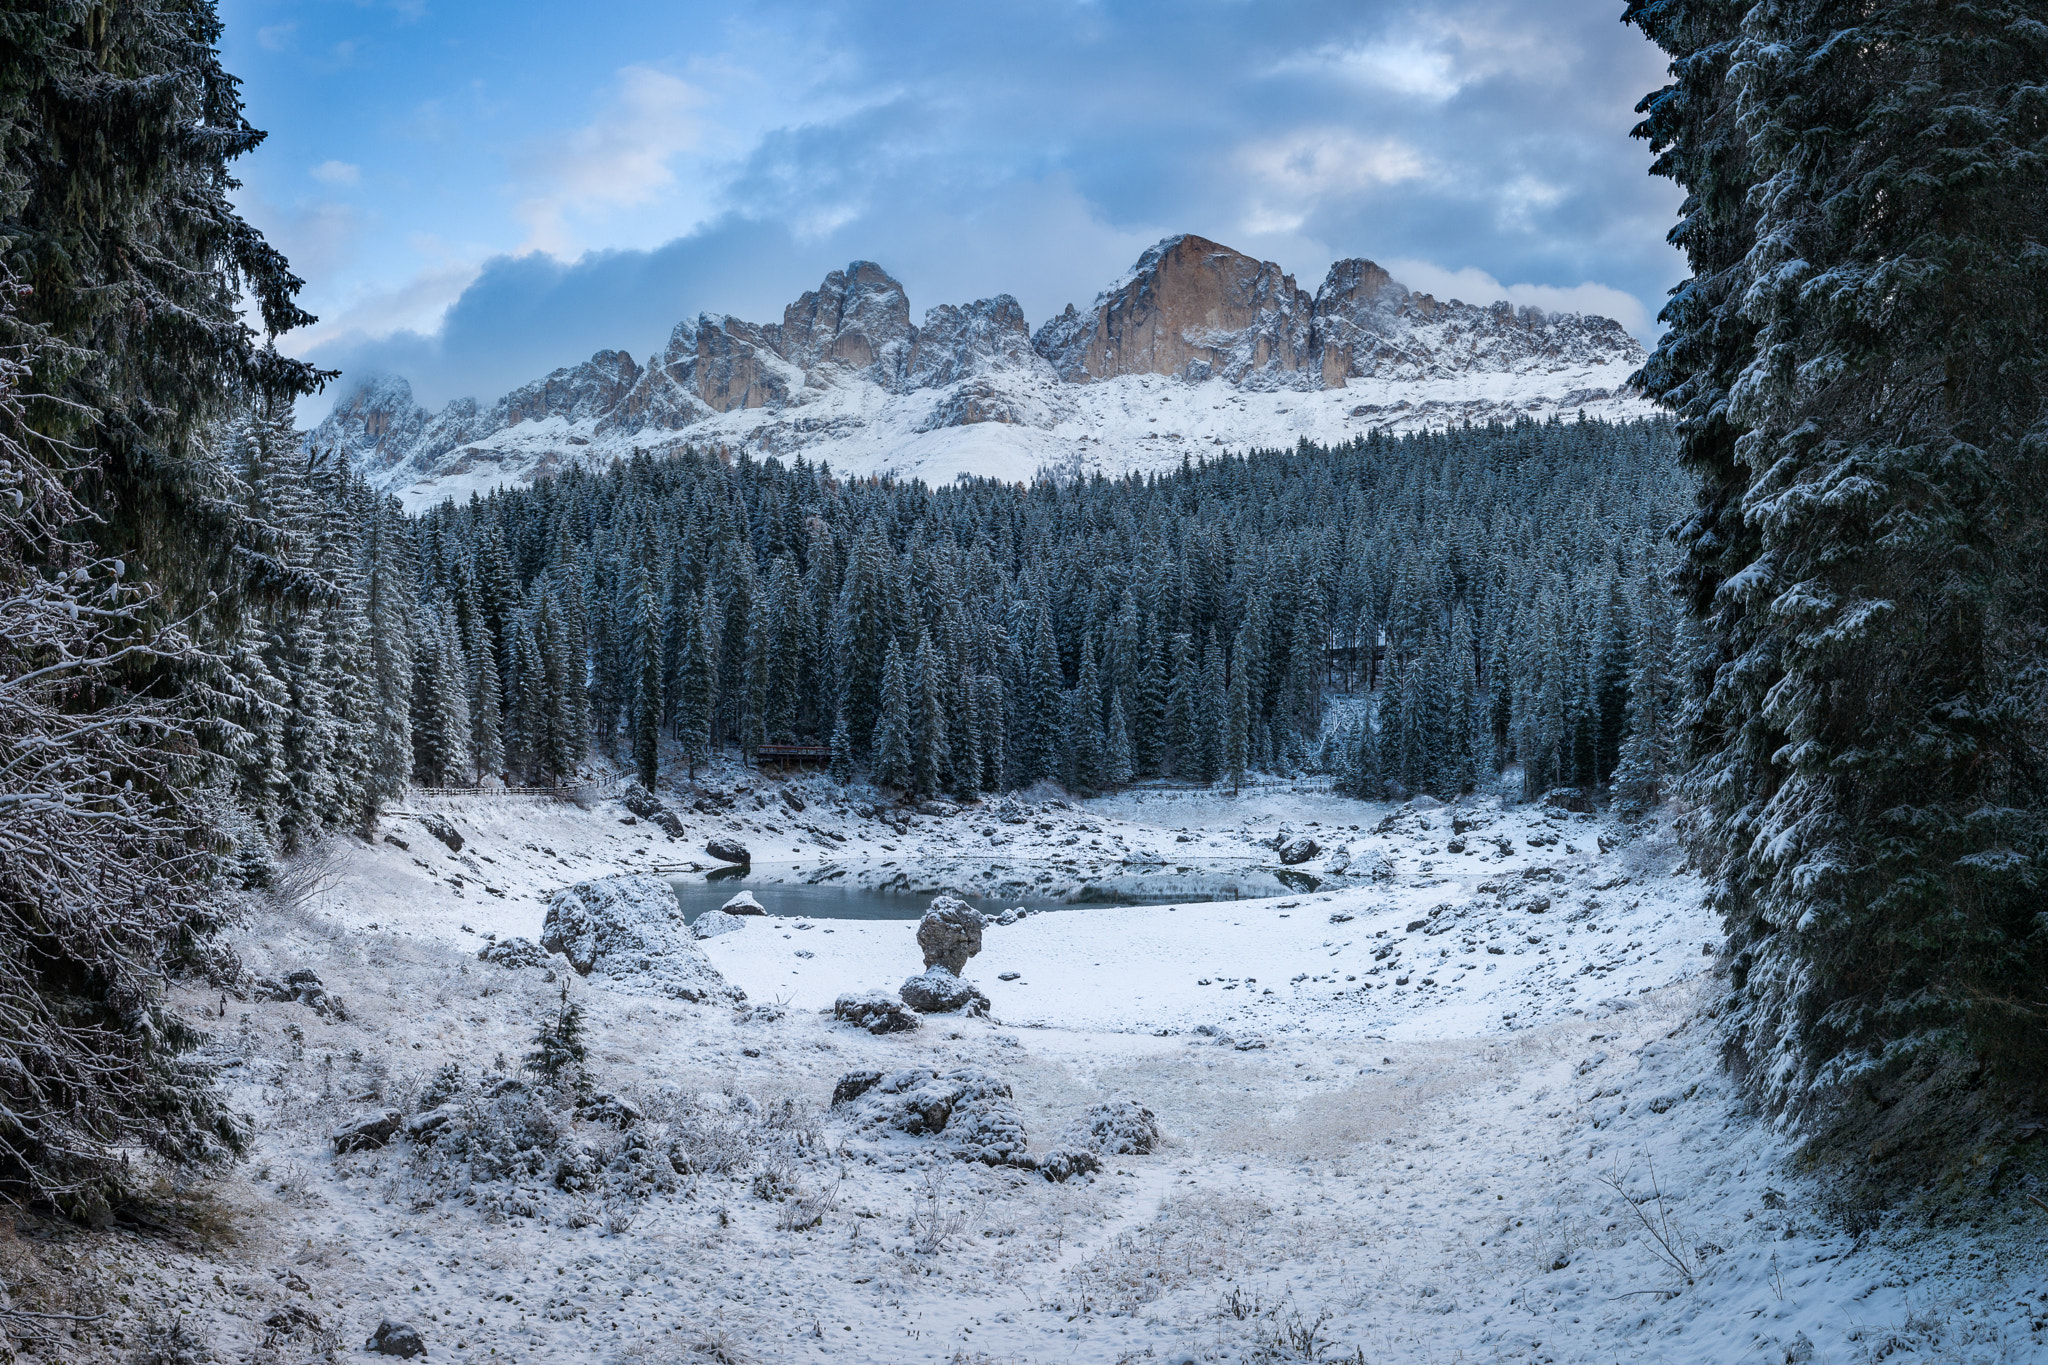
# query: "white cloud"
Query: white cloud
{"points": [[337, 173], [1474, 285], [1299, 171], [416, 305], [275, 37], [618, 160], [1402, 68]]}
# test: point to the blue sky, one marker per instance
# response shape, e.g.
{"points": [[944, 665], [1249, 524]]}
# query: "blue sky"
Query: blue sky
{"points": [[478, 193]]}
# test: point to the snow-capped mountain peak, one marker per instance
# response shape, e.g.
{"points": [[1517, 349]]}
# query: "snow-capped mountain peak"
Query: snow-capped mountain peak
{"points": [[1197, 347]]}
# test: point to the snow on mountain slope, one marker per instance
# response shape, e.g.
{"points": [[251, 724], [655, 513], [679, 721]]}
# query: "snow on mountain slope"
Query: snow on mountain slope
{"points": [[1197, 349]]}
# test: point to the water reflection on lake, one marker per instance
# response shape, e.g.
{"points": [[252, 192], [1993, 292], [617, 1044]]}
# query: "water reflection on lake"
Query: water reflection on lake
{"points": [[782, 895]]}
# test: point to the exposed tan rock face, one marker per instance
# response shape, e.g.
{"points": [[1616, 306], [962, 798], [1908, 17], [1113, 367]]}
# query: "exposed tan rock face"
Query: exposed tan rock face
{"points": [[858, 317], [735, 364], [1192, 308]]}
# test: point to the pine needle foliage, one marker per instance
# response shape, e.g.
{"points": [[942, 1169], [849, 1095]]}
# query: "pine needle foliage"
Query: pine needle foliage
{"points": [[1859, 368]]}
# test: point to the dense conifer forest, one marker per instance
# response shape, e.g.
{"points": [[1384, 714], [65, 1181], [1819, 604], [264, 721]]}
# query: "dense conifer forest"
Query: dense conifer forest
{"points": [[1496, 589]]}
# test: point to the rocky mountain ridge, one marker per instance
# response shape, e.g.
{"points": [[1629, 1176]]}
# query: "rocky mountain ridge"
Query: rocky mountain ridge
{"points": [[1227, 349]]}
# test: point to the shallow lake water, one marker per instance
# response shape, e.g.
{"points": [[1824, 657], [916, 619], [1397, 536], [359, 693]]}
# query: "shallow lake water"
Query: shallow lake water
{"points": [[1168, 885]]}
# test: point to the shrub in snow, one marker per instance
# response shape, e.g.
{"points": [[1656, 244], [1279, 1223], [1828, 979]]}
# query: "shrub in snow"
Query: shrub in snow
{"points": [[875, 1011], [577, 1165], [629, 930], [938, 991], [172, 1341], [609, 1109], [950, 933], [1118, 1128], [558, 1047], [443, 1086], [514, 1136], [514, 952], [970, 1107], [988, 1130]]}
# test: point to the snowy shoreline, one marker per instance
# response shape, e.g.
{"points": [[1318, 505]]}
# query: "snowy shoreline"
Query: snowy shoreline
{"points": [[1386, 1130]]}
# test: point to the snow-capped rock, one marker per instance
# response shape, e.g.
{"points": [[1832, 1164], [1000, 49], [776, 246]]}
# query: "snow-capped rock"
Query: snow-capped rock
{"points": [[630, 930]]}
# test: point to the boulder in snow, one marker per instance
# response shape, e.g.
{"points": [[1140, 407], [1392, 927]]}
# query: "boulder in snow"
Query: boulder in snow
{"points": [[950, 933], [937, 991], [875, 1011], [396, 1339], [728, 849], [366, 1131], [744, 904], [1568, 798], [441, 829], [648, 807], [630, 930], [712, 923], [853, 1085], [424, 1128], [303, 986], [1373, 864], [1299, 850]]}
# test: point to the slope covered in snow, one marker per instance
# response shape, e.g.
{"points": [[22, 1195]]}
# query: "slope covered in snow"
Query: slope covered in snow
{"points": [[1197, 349], [1396, 1155]]}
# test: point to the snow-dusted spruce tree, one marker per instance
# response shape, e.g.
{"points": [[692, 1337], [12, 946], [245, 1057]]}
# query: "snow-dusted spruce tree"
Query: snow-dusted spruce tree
{"points": [[892, 737], [102, 864], [1860, 369], [117, 125], [931, 755], [644, 724]]}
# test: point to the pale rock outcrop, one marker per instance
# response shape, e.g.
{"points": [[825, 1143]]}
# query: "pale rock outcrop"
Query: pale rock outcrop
{"points": [[950, 933], [629, 931], [937, 991]]}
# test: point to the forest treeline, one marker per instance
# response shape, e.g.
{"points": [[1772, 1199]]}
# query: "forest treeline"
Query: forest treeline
{"points": [[1489, 595]]}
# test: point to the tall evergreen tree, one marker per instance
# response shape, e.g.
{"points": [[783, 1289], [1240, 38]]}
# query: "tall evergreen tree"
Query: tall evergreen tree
{"points": [[647, 696], [891, 757], [1860, 373], [931, 757], [1117, 766]]}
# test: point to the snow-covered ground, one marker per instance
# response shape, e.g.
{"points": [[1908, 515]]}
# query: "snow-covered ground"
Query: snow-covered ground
{"points": [[1125, 424], [1458, 1103]]}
